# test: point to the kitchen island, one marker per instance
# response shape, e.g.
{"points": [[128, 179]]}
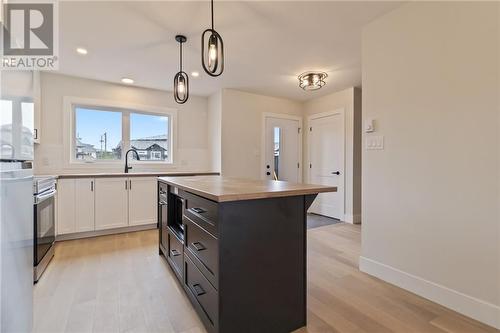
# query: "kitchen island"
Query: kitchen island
{"points": [[238, 248]]}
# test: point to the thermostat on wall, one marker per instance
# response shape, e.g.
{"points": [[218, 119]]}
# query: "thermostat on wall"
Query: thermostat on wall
{"points": [[369, 127]]}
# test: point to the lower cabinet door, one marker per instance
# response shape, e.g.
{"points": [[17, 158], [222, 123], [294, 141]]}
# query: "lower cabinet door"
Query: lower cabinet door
{"points": [[111, 203], [204, 250], [175, 255], [65, 202], [84, 204], [202, 294], [163, 211], [142, 202]]}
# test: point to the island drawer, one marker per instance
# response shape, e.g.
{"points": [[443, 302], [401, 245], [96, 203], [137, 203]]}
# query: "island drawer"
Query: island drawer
{"points": [[203, 249], [202, 294], [175, 254], [200, 210]]}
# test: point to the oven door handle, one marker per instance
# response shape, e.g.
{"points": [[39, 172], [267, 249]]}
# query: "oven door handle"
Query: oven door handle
{"points": [[45, 196]]}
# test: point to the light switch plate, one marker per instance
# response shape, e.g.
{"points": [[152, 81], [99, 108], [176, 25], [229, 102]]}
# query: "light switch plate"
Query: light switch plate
{"points": [[374, 143]]}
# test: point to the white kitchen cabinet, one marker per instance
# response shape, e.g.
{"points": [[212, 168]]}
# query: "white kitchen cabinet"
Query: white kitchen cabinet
{"points": [[142, 202], [75, 205], [111, 203], [93, 204], [37, 101], [66, 223], [84, 204]]}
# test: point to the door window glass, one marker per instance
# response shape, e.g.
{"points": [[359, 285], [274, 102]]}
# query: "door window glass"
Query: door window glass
{"points": [[277, 150]]}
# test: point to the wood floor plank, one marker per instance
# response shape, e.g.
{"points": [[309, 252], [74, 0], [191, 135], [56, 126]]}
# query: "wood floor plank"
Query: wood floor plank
{"points": [[119, 283]]}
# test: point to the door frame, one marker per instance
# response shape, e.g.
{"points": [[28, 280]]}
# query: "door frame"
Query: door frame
{"points": [[341, 112], [266, 115]]}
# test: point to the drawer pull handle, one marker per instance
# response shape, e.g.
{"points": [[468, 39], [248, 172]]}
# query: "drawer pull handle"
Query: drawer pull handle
{"points": [[198, 290], [198, 246], [175, 253], [198, 210]]}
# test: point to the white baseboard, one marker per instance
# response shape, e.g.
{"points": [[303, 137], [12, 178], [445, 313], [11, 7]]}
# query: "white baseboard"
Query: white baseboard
{"points": [[105, 232], [467, 305], [354, 219]]}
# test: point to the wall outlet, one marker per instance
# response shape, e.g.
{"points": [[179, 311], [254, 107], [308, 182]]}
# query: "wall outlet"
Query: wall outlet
{"points": [[374, 143]]}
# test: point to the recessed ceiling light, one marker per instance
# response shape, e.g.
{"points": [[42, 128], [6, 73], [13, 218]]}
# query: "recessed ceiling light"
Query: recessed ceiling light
{"points": [[82, 51], [195, 74], [127, 80]]}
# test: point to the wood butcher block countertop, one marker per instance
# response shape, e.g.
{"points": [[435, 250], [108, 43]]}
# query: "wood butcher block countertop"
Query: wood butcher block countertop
{"points": [[221, 189], [134, 174]]}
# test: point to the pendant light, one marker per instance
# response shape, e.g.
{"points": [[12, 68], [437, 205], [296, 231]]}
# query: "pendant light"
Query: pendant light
{"points": [[181, 79], [212, 49]]}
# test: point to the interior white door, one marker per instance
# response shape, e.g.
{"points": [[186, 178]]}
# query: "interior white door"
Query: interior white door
{"points": [[111, 203], [326, 154], [142, 201], [282, 144]]}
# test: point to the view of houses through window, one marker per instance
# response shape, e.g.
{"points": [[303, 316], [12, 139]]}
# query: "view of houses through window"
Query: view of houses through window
{"points": [[99, 135], [16, 126], [149, 135]]}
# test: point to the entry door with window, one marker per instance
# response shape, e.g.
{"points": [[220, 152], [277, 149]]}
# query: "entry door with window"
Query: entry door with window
{"points": [[326, 157], [282, 149]]}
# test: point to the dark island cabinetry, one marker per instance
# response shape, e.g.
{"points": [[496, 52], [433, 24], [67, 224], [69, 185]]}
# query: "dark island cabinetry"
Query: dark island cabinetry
{"points": [[242, 263]]}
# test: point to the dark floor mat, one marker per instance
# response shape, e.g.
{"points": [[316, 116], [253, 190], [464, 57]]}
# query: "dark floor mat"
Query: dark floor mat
{"points": [[315, 221]]}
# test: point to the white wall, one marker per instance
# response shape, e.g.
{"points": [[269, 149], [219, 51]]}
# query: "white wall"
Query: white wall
{"points": [[242, 130], [237, 117], [193, 150], [215, 130], [431, 220], [349, 101]]}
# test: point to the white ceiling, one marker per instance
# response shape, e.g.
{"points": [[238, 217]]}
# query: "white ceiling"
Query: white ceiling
{"points": [[267, 44]]}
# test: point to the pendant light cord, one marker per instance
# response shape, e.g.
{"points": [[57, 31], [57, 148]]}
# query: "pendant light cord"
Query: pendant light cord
{"points": [[212, 9], [180, 62]]}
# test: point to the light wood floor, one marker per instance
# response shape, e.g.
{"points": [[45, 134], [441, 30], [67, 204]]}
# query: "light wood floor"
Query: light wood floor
{"points": [[119, 283]]}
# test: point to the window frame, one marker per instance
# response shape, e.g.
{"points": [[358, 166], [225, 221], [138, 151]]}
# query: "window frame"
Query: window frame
{"points": [[70, 105]]}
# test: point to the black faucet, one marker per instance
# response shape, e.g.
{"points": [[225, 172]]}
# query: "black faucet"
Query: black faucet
{"points": [[127, 168]]}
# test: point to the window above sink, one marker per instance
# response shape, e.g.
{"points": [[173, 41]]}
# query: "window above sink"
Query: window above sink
{"points": [[101, 132]]}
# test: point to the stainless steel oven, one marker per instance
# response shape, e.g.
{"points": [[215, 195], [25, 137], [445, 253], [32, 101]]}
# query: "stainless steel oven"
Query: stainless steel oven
{"points": [[44, 223]]}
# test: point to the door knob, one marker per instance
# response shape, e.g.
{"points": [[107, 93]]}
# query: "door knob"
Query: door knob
{"points": [[336, 173]]}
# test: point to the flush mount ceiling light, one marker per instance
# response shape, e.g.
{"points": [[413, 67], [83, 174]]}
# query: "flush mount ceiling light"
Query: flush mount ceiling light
{"points": [[312, 80], [127, 80], [195, 74], [212, 49], [81, 50], [181, 79]]}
